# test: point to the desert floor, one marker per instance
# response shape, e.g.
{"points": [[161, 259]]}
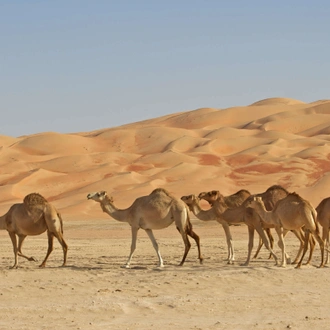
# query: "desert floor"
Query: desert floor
{"points": [[94, 292]]}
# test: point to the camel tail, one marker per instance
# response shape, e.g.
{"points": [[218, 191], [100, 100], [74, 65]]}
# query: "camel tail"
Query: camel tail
{"points": [[61, 222], [189, 226], [314, 216], [3, 225]]}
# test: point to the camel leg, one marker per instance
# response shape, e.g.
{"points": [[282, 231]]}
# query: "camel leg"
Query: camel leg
{"points": [[307, 234], [300, 235], [61, 240], [260, 244], [193, 235], [14, 241], [250, 245], [50, 248], [287, 257], [231, 255], [327, 241], [187, 245], [155, 245], [325, 237], [271, 241], [311, 249], [21, 239], [281, 244], [262, 234], [321, 243], [133, 246]]}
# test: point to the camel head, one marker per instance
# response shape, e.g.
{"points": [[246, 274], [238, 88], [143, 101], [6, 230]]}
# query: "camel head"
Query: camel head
{"points": [[190, 200], [254, 202], [210, 196], [100, 196]]}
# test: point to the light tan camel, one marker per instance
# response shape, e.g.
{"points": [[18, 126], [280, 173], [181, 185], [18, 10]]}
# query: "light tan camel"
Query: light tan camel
{"points": [[237, 215], [323, 218], [270, 197], [33, 217], [234, 200], [290, 213], [155, 211]]}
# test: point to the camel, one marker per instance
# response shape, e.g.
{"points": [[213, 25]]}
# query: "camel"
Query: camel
{"points": [[235, 215], [270, 197], [290, 213], [155, 211], [323, 218], [33, 217], [210, 215]]}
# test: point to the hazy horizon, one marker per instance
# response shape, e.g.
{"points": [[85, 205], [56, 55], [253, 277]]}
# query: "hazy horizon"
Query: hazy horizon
{"points": [[80, 66]]}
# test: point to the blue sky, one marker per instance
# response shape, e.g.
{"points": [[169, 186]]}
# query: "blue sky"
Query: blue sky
{"points": [[77, 65]]}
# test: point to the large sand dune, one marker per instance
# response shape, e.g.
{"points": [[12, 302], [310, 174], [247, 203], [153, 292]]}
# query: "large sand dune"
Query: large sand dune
{"points": [[282, 140], [273, 141]]}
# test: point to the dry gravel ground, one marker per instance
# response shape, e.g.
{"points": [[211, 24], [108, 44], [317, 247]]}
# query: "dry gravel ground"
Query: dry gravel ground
{"points": [[94, 292]]}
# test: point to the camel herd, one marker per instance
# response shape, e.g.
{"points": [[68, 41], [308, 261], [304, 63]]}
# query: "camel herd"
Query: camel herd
{"points": [[275, 208]]}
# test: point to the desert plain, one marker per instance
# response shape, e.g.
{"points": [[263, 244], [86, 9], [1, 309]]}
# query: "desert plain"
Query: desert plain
{"points": [[278, 141]]}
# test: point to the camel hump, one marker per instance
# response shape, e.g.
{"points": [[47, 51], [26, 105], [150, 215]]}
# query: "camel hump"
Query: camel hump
{"points": [[34, 200], [277, 187], [160, 190], [237, 199], [35, 205], [294, 195]]}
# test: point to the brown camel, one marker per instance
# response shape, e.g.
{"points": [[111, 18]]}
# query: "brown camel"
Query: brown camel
{"points": [[323, 218], [231, 201], [33, 217], [236, 215], [290, 213], [155, 211], [270, 197]]}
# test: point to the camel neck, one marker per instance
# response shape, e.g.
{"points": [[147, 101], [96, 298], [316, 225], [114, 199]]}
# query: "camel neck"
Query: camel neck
{"points": [[263, 213], [117, 214], [204, 215]]}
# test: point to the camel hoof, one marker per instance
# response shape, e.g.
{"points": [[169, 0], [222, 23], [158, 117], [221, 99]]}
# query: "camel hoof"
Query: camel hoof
{"points": [[125, 266], [32, 259], [13, 267], [42, 266]]}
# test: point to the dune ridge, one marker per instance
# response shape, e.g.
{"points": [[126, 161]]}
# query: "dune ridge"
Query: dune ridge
{"points": [[272, 141]]}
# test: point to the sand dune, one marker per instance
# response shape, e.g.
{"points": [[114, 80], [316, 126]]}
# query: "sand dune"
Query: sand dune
{"points": [[265, 136], [272, 141]]}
